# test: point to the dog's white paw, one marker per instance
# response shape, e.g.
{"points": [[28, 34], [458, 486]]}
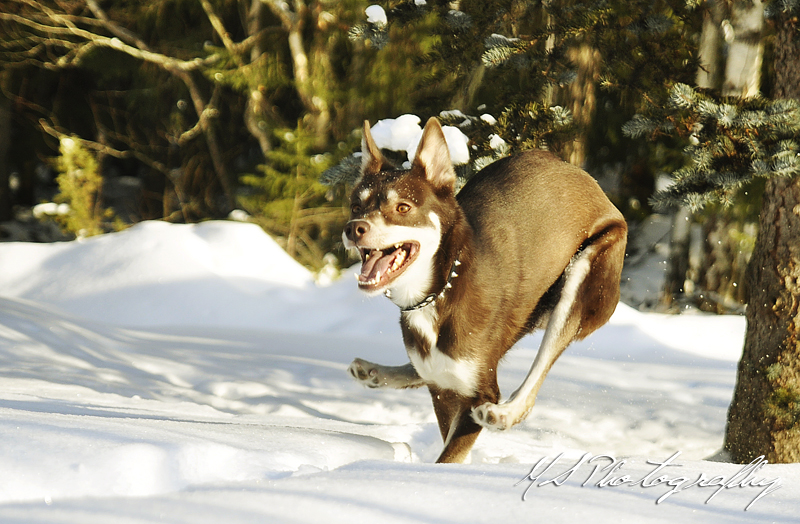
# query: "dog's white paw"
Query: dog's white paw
{"points": [[366, 373], [494, 416]]}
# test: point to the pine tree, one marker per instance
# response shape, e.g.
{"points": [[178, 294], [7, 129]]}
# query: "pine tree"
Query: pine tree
{"points": [[764, 417], [517, 61], [287, 199], [80, 187], [730, 143]]}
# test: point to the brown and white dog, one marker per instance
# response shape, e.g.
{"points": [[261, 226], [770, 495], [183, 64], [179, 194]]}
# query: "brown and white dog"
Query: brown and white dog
{"points": [[529, 242]]}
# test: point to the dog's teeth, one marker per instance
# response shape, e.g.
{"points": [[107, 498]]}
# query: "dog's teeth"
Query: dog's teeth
{"points": [[398, 261], [397, 246]]}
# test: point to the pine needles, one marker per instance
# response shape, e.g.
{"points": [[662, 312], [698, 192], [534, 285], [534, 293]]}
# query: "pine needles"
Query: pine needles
{"points": [[730, 142]]}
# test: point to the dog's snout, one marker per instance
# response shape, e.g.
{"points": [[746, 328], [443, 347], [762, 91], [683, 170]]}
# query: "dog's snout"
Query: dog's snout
{"points": [[356, 229]]}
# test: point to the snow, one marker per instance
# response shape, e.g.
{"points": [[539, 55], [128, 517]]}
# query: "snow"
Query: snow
{"points": [[404, 133], [376, 15], [195, 373]]}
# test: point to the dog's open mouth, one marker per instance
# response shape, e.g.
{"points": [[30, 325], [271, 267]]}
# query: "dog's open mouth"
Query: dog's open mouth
{"points": [[380, 266]]}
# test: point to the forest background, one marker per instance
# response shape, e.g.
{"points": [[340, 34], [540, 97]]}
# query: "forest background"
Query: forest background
{"points": [[188, 109], [113, 112]]}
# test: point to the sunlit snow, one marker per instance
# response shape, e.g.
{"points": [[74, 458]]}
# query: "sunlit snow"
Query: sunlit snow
{"points": [[196, 373]]}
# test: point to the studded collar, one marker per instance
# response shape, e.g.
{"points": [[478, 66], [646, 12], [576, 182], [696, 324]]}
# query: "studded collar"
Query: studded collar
{"points": [[430, 299]]}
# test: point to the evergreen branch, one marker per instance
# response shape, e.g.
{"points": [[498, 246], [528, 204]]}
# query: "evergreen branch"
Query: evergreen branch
{"points": [[731, 142], [345, 172], [377, 36], [639, 127], [500, 50], [458, 20]]}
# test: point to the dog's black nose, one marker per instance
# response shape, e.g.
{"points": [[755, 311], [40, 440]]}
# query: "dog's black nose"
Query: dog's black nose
{"points": [[356, 229]]}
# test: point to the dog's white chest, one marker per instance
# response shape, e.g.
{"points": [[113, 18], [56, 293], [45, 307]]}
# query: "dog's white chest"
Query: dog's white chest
{"points": [[436, 367]]}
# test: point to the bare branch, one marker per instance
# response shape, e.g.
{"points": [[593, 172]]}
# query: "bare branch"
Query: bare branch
{"points": [[58, 133], [114, 28], [208, 113], [216, 23], [281, 10], [66, 27]]}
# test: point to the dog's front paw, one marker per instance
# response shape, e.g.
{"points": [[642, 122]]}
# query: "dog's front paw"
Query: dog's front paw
{"points": [[366, 373], [494, 416]]}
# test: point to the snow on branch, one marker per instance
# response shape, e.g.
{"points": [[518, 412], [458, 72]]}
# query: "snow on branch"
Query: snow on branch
{"points": [[501, 49], [401, 134]]}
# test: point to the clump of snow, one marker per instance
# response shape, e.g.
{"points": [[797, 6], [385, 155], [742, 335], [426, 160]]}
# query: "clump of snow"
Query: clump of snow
{"points": [[396, 134], [46, 209], [453, 113], [457, 144], [376, 15], [498, 144], [239, 215], [404, 133]]}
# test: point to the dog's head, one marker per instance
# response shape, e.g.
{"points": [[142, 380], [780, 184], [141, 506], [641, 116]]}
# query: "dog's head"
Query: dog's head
{"points": [[398, 217]]}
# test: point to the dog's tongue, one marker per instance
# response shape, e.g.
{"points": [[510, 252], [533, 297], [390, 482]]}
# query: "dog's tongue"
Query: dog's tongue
{"points": [[377, 262]]}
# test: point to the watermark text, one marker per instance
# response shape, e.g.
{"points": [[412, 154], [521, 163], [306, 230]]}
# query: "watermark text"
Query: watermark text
{"points": [[607, 472]]}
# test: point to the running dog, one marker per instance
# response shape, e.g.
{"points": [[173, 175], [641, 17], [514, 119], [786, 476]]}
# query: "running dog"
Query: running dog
{"points": [[529, 242]]}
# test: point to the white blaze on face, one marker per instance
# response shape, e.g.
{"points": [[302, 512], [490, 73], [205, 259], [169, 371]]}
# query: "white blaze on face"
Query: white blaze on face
{"points": [[413, 285]]}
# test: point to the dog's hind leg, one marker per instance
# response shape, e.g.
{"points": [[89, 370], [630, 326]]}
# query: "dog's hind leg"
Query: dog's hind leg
{"points": [[377, 376], [563, 326]]}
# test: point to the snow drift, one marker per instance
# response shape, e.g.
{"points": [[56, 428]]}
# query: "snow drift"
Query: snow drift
{"points": [[195, 373]]}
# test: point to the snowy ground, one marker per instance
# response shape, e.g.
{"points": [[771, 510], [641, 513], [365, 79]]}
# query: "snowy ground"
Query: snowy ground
{"points": [[195, 373]]}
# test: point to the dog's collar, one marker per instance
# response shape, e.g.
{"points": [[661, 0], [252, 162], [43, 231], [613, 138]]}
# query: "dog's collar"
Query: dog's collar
{"points": [[430, 299]]}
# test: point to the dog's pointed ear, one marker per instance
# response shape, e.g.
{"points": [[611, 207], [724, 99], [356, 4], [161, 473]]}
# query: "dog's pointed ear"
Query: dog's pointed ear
{"points": [[371, 157], [433, 156]]}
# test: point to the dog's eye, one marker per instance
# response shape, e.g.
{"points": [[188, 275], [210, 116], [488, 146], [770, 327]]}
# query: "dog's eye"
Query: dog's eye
{"points": [[355, 209], [403, 208]]}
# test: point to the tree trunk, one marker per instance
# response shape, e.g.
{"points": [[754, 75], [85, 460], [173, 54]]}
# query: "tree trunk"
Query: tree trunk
{"points": [[743, 66], [255, 112], [726, 256], [5, 145], [712, 44], [731, 49], [764, 417], [464, 99], [679, 243], [582, 99]]}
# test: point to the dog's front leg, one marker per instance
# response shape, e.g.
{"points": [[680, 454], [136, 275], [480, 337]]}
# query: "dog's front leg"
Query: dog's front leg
{"points": [[377, 376], [459, 431]]}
